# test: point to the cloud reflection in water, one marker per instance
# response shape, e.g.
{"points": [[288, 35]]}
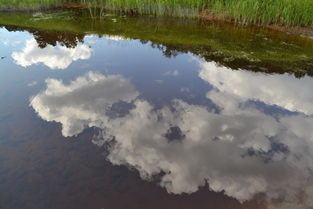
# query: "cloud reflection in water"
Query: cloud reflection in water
{"points": [[239, 150], [59, 57]]}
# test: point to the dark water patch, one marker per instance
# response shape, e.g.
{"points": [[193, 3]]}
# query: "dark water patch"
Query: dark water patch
{"points": [[174, 134], [6, 117]]}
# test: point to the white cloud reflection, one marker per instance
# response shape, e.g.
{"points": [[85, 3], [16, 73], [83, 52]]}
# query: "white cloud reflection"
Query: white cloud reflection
{"points": [[281, 90], [115, 38], [83, 102], [58, 57], [34, 83], [239, 150]]}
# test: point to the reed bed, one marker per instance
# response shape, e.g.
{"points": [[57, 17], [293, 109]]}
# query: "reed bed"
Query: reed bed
{"points": [[12, 5], [265, 12], [285, 12], [282, 12], [181, 8]]}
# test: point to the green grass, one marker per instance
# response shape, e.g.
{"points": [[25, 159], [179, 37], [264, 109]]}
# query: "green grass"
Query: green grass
{"points": [[153, 7], [282, 12], [286, 12], [10, 5]]}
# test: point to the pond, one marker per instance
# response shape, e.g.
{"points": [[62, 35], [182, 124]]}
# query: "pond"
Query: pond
{"points": [[99, 110]]}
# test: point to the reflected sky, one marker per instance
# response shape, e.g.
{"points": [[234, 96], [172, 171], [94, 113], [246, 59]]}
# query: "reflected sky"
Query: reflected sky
{"points": [[188, 143], [57, 57], [177, 124]]}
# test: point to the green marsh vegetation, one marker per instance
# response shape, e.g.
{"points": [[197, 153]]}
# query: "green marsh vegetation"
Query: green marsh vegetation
{"points": [[264, 12], [12, 5]]}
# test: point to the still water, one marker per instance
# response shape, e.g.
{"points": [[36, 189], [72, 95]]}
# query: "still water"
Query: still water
{"points": [[106, 111]]}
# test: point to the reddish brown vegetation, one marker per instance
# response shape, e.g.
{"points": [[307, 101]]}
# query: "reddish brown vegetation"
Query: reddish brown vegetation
{"points": [[73, 6]]}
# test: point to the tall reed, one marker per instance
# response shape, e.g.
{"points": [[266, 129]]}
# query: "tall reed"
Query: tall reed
{"points": [[284, 12], [28, 4]]}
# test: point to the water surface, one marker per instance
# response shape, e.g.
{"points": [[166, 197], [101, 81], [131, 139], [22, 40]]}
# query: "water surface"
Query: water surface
{"points": [[106, 111]]}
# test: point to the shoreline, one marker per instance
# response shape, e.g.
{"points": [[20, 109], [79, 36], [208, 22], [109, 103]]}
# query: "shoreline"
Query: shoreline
{"points": [[301, 31]]}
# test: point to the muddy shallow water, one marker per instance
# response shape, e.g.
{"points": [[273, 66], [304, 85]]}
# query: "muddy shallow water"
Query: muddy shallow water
{"points": [[106, 111]]}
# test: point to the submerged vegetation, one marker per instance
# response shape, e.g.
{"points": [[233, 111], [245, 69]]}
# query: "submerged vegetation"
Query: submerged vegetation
{"points": [[282, 12]]}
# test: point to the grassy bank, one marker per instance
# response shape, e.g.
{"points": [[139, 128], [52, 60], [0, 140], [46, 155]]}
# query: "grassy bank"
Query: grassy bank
{"points": [[12, 5], [284, 12], [265, 12]]}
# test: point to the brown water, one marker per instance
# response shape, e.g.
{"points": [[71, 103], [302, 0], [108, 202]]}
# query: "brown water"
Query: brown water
{"points": [[138, 112]]}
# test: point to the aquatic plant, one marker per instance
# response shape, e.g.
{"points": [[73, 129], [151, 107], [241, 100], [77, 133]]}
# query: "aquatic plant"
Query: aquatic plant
{"points": [[28, 4], [285, 12], [282, 12]]}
